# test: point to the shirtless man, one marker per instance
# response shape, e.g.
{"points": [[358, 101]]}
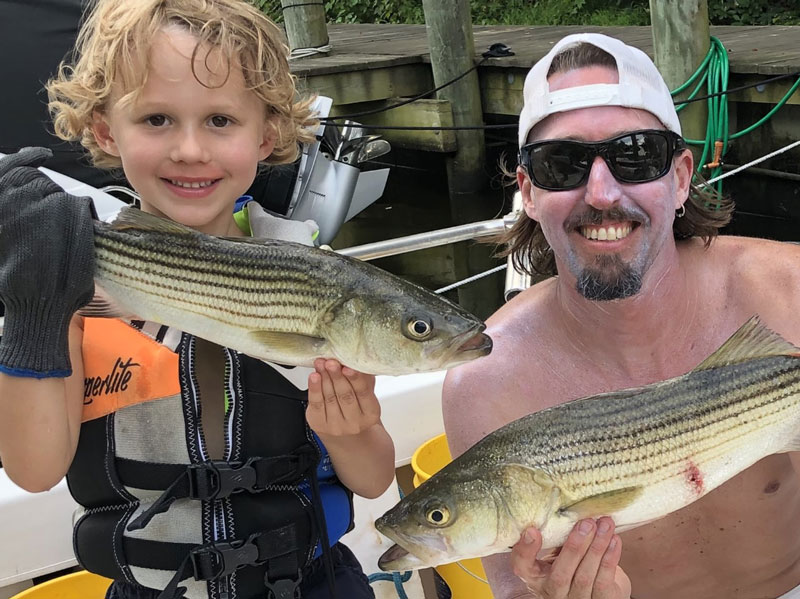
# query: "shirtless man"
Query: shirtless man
{"points": [[639, 297]]}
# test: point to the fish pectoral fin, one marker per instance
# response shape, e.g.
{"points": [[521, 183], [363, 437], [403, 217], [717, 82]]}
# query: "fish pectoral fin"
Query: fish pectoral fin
{"points": [[752, 340], [104, 306], [523, 475], [291, 343], [604, 503]]}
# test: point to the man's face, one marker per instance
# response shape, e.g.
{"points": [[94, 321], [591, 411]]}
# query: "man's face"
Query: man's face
{"points": [[605, 234]]}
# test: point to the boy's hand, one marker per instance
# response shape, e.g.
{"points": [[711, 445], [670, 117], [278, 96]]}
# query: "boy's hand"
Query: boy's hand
{"points": [[341, 401]]}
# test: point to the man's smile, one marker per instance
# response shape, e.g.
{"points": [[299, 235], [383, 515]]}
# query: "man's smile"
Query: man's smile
{"points": [[606, 232]]}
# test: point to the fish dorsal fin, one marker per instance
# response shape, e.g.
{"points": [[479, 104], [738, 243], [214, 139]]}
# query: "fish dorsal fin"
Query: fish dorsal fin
{"points": [[603, 504], [133, 218], [621, 394], [252, 240], [752, 340]]}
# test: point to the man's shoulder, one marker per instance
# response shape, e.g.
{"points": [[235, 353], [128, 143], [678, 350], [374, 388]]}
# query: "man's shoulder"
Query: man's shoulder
{"points": [[525, 308], [757, 276], [761, 263], [745, 263], [487, 393], [736, 247]]}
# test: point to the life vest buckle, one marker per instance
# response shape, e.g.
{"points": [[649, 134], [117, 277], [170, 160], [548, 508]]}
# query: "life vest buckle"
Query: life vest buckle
{"points": [[216, 560], [285, 588], [218, 479]]}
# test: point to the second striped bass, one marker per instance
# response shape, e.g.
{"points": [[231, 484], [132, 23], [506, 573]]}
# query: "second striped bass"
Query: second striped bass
{"points": [[278, 301], [635, 455]]}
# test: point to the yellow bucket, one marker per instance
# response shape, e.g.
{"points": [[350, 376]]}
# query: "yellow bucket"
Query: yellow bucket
{"points": [[465, 577], [79, 585]]}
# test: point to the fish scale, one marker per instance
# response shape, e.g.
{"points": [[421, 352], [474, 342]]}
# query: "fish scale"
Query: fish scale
{"points": [[670, 427], [275, 300], [636, 455], [240, 289]]}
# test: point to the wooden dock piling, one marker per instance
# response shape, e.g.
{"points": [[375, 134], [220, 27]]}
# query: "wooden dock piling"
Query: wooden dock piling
{"points": [[681, 38], [305, 23], [452, 49]]}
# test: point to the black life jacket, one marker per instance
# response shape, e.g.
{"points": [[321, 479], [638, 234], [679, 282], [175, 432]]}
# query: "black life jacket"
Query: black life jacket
{"points": [[157, 511]]}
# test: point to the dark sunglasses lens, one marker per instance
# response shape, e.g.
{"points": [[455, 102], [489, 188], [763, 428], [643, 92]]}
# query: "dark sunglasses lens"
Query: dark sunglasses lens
{"points": [[639, 157], [560, 165]]}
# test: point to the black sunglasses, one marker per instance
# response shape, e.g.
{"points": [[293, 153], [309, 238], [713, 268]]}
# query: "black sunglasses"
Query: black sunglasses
{"points": [[635, 157]]}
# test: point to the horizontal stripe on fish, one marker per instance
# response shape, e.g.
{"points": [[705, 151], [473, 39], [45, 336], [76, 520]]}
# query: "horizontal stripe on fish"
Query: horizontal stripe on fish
{"points": [[266, 269], [588, 450]]}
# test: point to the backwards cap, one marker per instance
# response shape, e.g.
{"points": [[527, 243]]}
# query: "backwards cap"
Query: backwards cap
{"points": [[640, 86]]}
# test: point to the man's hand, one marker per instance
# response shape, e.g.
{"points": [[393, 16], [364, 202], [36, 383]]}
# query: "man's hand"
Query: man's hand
{"points": [[341, 401], [586, 567]]}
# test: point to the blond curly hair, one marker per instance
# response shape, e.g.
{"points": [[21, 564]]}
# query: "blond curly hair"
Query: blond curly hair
{"points": [[113, 48]]}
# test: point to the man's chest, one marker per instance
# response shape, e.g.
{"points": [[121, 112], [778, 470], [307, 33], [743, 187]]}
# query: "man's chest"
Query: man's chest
{"points": [[740, 541]]}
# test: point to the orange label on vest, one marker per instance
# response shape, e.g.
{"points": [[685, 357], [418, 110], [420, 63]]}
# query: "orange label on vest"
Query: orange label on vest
{"points": [[123, 367]]}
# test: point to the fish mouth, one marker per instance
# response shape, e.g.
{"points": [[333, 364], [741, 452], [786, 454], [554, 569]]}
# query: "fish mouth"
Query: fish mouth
{"points": [[399, 559], [472, 344], [427, 551], [392, 558]]}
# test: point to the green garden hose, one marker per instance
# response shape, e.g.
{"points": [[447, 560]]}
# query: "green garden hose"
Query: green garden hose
{"points": [[714, 73]]}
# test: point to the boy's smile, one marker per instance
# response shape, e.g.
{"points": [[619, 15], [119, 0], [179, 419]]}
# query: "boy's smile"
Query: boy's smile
{"points": [[191, 139]]}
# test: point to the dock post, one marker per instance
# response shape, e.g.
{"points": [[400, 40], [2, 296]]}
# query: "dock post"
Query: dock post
{"points": [[305, 23], [452, 49], [681, 38]]}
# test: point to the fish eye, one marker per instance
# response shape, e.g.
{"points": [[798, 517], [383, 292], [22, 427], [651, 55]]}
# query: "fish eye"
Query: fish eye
{"points": [[438, 516], [419, 328]]}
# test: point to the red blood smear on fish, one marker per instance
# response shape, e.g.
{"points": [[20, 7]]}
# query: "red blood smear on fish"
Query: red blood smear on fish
{"points": [[695, 478]]}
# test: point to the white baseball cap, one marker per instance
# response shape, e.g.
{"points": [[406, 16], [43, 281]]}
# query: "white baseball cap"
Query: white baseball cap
{"points": [[640, 86]]}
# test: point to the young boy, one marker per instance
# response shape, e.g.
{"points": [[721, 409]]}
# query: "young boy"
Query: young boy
{"points": [[196, 466]]}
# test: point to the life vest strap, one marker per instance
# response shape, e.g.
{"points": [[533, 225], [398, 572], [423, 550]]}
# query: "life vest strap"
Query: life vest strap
{"points": [[214, 479], [277, 548]]}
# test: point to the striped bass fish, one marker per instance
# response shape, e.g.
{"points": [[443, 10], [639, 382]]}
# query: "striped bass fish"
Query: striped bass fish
{"points": [[277, 301], [635, 455]]}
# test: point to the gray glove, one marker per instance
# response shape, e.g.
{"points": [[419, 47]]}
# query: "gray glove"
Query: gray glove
{"points": [[46, 266]]}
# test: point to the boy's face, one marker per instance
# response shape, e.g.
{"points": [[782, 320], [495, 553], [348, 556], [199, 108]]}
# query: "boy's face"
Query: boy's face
{"points": [[189, 149]]}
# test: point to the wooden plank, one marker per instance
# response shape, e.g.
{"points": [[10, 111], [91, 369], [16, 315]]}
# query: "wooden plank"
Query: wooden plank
{"points": [[370, 85], [770, 49], [332, 64], [371, 63], [501, 90], [770, 93], [422, 113]]}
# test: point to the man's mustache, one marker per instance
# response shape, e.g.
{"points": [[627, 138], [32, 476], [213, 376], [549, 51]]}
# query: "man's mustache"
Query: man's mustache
{"points": [[593, 216]]}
